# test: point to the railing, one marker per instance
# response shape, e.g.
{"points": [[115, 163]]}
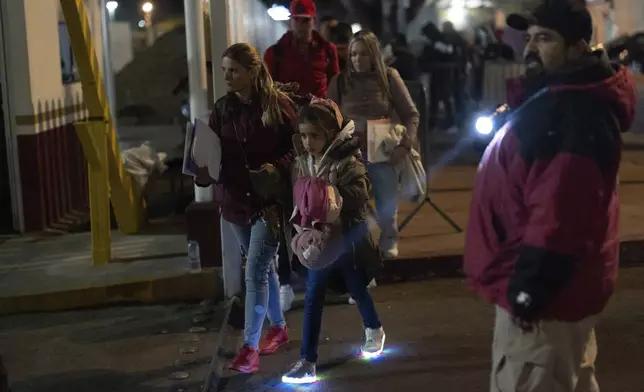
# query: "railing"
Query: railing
{"points": [[495, 78]]}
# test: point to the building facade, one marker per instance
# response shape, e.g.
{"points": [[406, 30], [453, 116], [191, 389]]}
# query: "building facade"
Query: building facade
{"points": [[42, 165]]}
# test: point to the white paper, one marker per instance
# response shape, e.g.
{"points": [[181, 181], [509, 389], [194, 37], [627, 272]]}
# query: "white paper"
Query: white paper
{"points": [[378, 137], [203, 149]]}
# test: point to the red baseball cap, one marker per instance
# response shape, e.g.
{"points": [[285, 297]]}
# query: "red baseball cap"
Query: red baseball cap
{"points": [[302, 9]]}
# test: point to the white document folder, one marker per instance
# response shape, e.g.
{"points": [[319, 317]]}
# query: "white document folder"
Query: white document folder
{"points": [[202, 149]]}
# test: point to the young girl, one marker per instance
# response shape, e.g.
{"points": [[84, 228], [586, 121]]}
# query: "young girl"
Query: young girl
{"points": [[331, 152]]}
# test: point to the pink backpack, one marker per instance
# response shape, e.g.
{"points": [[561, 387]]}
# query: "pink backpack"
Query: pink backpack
{"points": [[318, 242]]}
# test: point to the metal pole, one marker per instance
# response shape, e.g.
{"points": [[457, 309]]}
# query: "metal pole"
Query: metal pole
{"points": [[108, 70], [219, 41], [149, 29], [195, 50]]}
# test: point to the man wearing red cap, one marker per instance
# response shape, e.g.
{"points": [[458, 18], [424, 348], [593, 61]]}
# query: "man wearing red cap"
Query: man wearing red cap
{"points": [[302, 55]]}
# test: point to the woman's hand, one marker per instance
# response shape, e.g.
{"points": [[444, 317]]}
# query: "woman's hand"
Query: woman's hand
{"points": [[203, 177], [265, 181], [398, 154]]}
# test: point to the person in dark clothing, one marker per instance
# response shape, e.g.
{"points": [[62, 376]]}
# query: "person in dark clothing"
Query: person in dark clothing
{"points": [[542, 242], [403, 60], [499, 50], [458, 68], [341, 35], [435, 60]]}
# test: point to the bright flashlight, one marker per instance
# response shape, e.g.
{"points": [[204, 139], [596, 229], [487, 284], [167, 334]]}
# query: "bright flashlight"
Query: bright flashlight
{"points": [[484, 125]]}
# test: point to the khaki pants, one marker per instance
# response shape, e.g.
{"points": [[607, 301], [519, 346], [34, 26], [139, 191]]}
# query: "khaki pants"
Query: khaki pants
{"points": [[555, 357]]}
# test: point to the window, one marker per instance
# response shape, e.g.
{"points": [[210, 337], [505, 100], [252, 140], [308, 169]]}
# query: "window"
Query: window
{"points": [[67, 60]]}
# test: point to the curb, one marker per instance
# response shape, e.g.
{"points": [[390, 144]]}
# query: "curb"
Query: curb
{"points": [[163, 290], [450, 266], [196, 287]]}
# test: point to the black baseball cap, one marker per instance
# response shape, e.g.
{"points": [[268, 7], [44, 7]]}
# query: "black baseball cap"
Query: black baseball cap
{"points": [[569, 18]]}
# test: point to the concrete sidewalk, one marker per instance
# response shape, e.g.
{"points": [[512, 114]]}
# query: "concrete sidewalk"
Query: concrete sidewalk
{"points": [[55, 273]]}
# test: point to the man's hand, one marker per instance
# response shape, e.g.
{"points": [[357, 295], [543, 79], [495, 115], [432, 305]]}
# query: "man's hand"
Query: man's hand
{"points": [[525, 326], [203, 177], [398, 154]]}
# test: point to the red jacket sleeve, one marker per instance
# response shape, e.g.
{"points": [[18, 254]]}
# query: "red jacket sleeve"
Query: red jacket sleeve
{"points": [[334, 65]]}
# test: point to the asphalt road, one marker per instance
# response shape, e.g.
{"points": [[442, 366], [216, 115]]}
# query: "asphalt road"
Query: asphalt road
{"points": [[438, 338]]}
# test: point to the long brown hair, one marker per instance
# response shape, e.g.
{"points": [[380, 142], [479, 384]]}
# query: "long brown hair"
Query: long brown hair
{"points": [[271, 97], [370, 40]]}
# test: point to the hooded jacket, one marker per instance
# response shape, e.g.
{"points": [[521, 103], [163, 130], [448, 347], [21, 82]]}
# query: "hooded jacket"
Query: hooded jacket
{"points": [[311, 70], [543, 235], [341, 167]]}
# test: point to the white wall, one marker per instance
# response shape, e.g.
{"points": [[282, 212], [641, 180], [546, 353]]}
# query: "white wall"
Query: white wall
{"points": [[628, 16], [249, 22], [35, 64]]}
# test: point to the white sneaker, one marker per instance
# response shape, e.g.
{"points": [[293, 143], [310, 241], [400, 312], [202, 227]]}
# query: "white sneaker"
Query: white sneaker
{"points": [[287, 295], [374, 342], [303, 372]]}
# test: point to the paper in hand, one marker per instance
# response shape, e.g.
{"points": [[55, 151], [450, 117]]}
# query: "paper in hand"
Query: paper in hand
{"points": [[202, 149]]}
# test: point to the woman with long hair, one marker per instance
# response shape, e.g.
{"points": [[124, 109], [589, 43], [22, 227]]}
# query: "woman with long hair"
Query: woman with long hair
{"points": [[368, 90], [255, 122]]}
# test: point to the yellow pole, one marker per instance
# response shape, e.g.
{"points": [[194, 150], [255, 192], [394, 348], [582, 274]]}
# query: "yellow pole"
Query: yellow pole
{"points": [[94, 139], [124, 192]]}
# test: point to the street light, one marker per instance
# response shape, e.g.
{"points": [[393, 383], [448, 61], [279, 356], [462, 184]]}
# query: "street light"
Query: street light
{"points": [[111, 7], [147, 7]]}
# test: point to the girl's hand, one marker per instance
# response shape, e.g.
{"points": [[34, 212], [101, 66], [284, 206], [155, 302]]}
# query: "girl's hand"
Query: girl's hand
{"points": [[203, 177]]}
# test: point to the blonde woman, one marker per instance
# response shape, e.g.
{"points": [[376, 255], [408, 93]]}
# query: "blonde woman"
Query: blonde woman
{"points": [[255, 122], [367, 90]]}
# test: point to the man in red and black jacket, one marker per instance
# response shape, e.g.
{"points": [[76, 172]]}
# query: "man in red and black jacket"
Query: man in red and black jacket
{"points": [[302, 55], [543, 236]]}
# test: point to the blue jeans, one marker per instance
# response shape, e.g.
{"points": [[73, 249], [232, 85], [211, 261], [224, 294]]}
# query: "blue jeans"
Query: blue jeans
{"points": [[384, 182], [262, 283], [316, 285]]}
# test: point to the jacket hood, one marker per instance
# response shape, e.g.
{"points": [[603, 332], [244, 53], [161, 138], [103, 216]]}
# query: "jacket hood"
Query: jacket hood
{"points": [[344, 145], [594, 75]]}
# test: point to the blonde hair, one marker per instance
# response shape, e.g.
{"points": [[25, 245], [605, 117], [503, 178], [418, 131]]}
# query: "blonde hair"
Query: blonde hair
{"points": [[370, 40], [271, 96]]}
